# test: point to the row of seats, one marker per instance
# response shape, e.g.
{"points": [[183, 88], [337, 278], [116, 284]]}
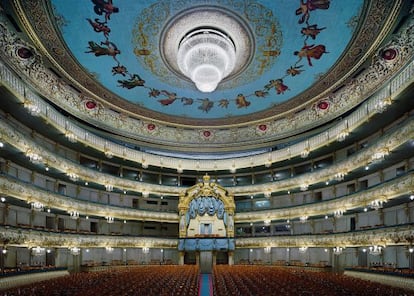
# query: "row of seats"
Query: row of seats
{"points": [[227, 280], [146, 280], [245, 280]]}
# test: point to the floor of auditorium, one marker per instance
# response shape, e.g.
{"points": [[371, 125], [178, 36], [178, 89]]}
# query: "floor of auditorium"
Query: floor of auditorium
{"points": [[225, 280]]}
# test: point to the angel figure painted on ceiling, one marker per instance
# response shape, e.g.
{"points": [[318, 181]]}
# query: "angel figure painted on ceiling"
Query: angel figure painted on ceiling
{"points": [[104, 7], [311, 51], [305, 8], [110, 50], [99, 27], [311, 31], [132, 82], [278, 85]]}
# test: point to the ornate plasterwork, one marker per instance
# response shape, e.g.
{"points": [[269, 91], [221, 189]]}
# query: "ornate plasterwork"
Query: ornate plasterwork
{"points": [[385, 236], [30, 193], [351, 122], [179, 136], [385, 191], [207, 189], [389, 142], [32, 238]]}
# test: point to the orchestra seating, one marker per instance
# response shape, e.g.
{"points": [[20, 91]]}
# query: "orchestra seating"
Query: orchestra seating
{"points": [[166, 280], [243, 280], [271, 280]]}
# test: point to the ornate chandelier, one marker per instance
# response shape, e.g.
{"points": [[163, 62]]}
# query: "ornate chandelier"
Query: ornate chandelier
{"points": [[206, 56]]}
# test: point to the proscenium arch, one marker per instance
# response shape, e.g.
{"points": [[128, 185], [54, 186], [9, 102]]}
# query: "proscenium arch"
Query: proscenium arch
{"points": [[206, 189]]}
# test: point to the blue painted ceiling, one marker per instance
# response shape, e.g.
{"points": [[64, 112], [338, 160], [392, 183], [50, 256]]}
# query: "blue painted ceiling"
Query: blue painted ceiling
{"points": [[297, 42]]}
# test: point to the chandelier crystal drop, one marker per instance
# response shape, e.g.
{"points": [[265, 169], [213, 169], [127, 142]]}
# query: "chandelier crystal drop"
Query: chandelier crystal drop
{"points": [[206, 56]]}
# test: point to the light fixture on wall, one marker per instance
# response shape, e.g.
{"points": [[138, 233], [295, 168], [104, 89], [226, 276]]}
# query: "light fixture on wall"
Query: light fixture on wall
{"points": [[267, 249], [303, 249], [206, 56], [337, 250], [303, 219], [109, 250], [109, 187], [339, 176], [110, 219], [376, 204], [379, 155], [70, 136], [306, 150], [108, 153], [38, 251], [72, 176], [74, 215], [375, 250], [33, 157], [338, 213], [145, 250], [32, 107], [344, 133], [382, 104], [75, 251], [37, 206], [304, 187]]}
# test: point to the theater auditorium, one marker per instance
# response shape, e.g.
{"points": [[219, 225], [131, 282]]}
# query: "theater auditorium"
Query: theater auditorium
{"points": [[206, 147]]}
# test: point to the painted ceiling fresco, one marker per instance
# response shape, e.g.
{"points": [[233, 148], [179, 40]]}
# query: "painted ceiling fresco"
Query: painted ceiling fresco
{"points": [[296, 43]]}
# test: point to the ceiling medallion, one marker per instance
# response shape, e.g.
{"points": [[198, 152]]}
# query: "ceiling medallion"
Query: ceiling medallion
{"points": [[211, 36], [161, 28]]}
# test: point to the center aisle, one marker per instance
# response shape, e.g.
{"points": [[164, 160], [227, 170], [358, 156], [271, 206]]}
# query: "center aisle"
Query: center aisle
{"points": [[206, 285]]}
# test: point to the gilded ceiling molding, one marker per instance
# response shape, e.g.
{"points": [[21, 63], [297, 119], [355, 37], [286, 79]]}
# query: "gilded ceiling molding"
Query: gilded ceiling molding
{"points": [[30, 193], [387, 143], [356, 91], [374, 105], [33, 238], [385, 236], [386, 191], [74, 133]]}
